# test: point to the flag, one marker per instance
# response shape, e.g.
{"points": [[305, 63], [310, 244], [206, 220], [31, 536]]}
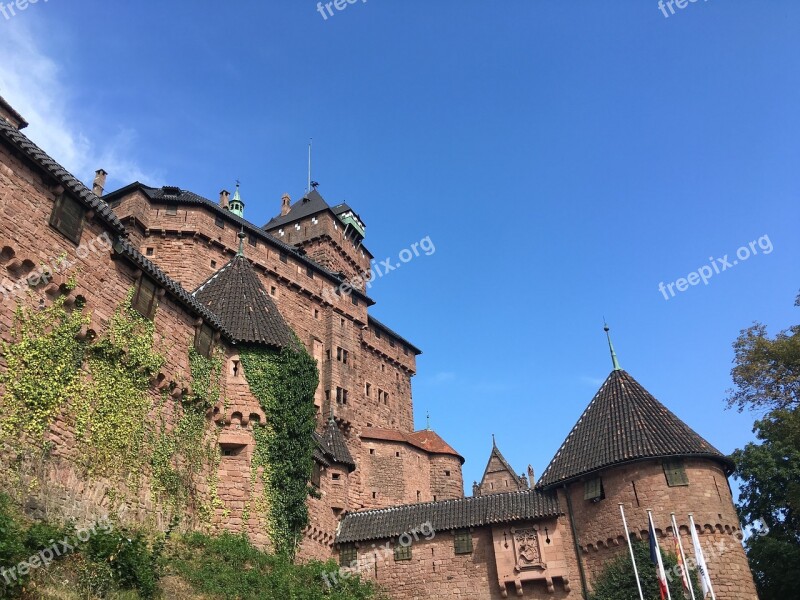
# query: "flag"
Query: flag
{"points": [[681, 566], [655, 556], [702, 569]]}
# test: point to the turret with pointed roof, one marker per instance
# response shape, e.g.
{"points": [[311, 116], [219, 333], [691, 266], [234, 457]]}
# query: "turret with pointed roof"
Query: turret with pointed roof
{"points": [[499, 477]]}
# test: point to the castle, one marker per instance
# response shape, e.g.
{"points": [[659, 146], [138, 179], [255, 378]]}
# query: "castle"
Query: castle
{"points": [[207, 277]]}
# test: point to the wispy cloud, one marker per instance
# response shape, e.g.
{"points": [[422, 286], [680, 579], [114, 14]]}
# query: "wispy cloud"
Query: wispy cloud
{"points": [[33, 83], [592, 381]]}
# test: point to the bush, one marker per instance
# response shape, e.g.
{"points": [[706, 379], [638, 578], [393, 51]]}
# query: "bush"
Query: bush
{"points": [[12, 550], [128, 556], [230, 567], [617, 581]]}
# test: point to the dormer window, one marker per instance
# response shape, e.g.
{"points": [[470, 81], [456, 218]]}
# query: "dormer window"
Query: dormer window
{"points": [[675, 472], [67, 217], [593, 490]]}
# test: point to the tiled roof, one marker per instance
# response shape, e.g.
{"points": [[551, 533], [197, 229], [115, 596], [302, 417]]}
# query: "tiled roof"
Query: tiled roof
{"points": [[321, 453], [447, 515], [235, 294], [426, 440], [373, 321], [59, 173], [337, 446], [13, 112], [310, 204], [176, 195], [121, 246], [624, 423]]}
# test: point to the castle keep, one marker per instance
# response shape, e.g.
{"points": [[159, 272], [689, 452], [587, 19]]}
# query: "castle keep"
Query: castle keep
{"points": [[210, 279]]}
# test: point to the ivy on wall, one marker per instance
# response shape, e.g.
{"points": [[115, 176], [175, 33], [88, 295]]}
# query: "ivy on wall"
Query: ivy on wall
{"points": [[284, 383]]}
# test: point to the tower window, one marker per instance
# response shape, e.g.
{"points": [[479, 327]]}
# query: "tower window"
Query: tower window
{"points": [[145, 298], [204, 340], [67, 217], [367, 389], [593, 490], [462, 541], [252, 240], [309, 272], [675, 471], [171, 210], [284, 257], [348, 555], [219, 222], [402, 552], [372, 450], [213, 264], [336, 476], [447, 473], [150, 252]]}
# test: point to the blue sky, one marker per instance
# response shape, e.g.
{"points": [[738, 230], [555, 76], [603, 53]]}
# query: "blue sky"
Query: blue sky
{"points": [[564, 158]]}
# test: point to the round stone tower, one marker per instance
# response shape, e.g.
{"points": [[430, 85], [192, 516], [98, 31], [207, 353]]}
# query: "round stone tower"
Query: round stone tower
{"points": [[628, 449]]}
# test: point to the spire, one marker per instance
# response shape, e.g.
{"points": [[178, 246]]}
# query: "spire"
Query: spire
{"points": [[428, 427], [494, 443], [236, 205], [241, 236], [614, 360]]}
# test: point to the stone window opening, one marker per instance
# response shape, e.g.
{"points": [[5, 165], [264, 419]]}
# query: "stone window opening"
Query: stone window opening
{"points": [[372, 450], [336, 476], [284, 258], [374, 495], [150, 252], [367, 389], [675, 472], [204, 340], [462, 541], [593, 490], [316, 313], [273, 291], [235, 368], [419, 496], [447, 473], [252, 240], [348, 554], [213, 264], [219, 222], [171, 210], [67, 217], [402, 552], [397, 454], [145, 299]]}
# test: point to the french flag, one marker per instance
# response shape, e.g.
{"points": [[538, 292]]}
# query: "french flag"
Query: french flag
{"points": [[655, 556]]}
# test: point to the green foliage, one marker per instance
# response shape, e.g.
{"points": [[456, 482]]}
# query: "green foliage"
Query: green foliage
{"points": [[617, 581], [43, 360], [229, 567], [12, 549], [767, 377], [284, 383]]}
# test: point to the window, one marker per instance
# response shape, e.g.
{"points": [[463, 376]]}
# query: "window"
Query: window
{"points": [[219, 222], [378, 333], [273, 290], [171, 211], [347, 555], [372, 450], [284, 257], [341, 355], [310, 272], [367, 389], [252, 240], [316, 313], [405, 350], [336, 476], [316, 475], [150, 252], [327, 395], [341, 395], [676, 473], [447, 473], [593, 490], [402, 552], [419, 496], [67, 217], [213, 264], [397, 454], [338, 354], [204, 340], [145, 298], [462, 541], [354, 299]]}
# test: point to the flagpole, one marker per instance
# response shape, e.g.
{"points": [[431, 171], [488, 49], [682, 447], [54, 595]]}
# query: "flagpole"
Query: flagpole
{"points": [[677, 533], [630, 547], [701, 559], [662, 573]]}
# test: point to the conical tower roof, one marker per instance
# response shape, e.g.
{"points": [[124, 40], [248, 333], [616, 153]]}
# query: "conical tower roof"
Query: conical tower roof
{"points": [[337, 445], [624, 423], [235, 294]]}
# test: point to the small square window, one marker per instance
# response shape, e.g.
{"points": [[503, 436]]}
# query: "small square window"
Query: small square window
{"points": [[336, 476], [204, 340], [675, 472], [273, 290], [67, 217], [219, 222], [447, 473], [171, 211], [252, 240], [347, 555], [593, 490], [213, 264], [397, 454], [463, 541], [402, 552], [145, 299], [284, 257], [150, 252], [372, 450]]}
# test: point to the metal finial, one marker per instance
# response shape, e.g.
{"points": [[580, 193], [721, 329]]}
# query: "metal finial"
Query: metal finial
{"points": [[241, 240], [494, 444], [428, 417], [614, 360]]}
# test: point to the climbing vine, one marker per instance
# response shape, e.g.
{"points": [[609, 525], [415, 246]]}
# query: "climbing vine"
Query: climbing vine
{"points": [[284, 383], [43, 362]]}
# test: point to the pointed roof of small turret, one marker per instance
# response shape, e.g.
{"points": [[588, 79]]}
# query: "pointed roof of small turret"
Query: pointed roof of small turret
{"points": [[337, 445], [624, 423], [497, 462], [235, 294]]}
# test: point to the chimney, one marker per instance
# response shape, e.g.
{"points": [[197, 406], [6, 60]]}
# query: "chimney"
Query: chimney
{"points": [[286, 202], [99, 182], [223, 198]]}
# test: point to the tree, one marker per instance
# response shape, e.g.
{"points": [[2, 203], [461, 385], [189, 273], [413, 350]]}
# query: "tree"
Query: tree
{"points": [[766, 373], [617, 581]]}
